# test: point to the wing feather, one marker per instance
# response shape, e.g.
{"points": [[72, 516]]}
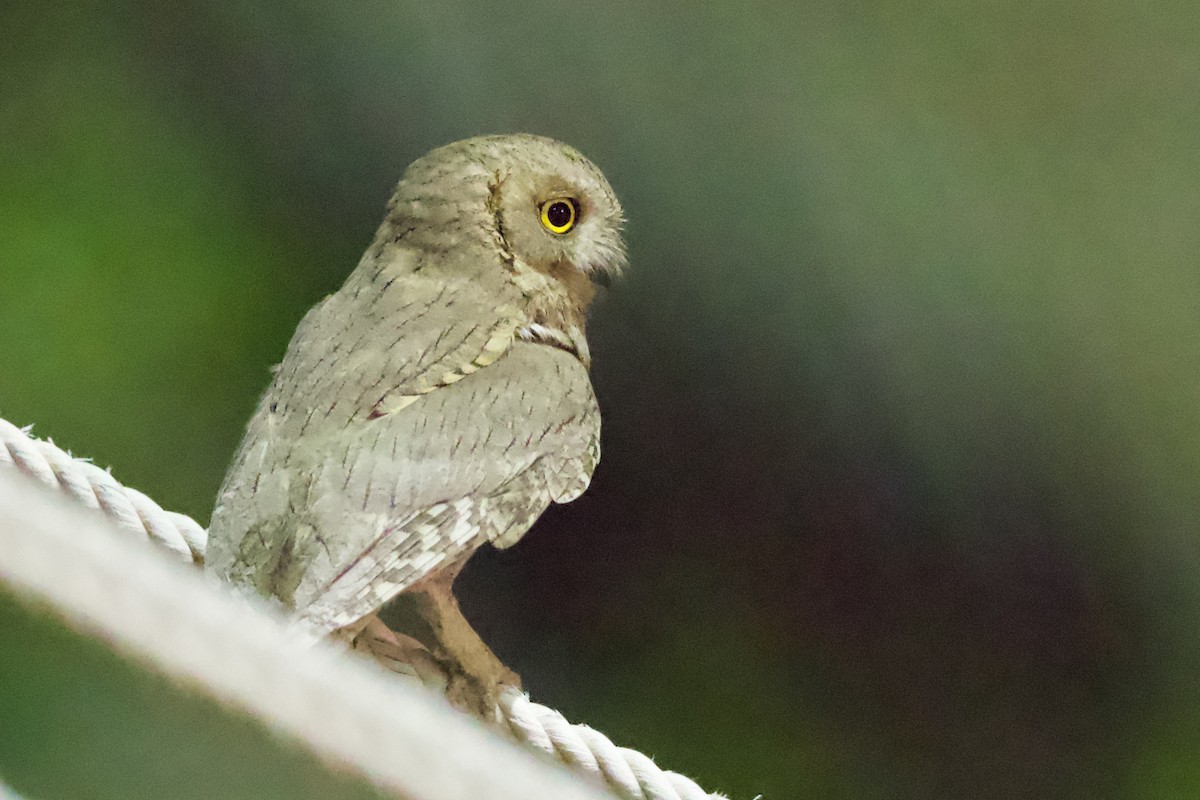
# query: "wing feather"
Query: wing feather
{"points": [[341, 496]]}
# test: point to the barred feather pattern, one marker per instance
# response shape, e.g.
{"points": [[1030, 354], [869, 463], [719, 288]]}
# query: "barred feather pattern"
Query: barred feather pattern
{"points": [[437, 401], [332, 508]]}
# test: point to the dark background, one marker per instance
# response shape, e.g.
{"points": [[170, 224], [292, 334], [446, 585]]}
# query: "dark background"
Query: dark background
{"points": [[899, 493]]}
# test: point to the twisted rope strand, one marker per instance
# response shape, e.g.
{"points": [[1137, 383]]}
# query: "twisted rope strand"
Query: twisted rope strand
{"points": [[632, 775], [98, 489], [66, 564]]}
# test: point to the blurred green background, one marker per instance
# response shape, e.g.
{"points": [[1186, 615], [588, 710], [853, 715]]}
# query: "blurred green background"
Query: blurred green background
{"points": [[902, 403]]}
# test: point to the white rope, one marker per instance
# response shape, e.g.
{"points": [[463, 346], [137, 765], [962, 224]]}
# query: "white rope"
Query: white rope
{"points": [[7, 793], [98, 489], [632, 775], [57, 559]]}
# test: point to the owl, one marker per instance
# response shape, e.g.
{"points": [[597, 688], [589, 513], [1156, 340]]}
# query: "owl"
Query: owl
{"points": [[440, 399]]}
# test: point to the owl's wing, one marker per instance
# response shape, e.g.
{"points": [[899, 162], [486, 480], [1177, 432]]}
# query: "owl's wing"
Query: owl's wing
{"points": [[335, 504], [439, 536]]}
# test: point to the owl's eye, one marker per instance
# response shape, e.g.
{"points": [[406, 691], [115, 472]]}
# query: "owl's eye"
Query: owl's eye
{"points": [[558, 214]]}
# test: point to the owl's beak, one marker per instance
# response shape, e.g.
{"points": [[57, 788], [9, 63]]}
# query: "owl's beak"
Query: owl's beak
{"points": [[605, 263]]}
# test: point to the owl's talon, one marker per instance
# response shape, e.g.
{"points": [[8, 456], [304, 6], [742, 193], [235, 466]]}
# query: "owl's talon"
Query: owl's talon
{"points": [[480, 695], [401, 654]]}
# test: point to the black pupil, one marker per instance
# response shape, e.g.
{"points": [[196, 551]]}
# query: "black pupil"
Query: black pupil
{"points": [[559, 214]]}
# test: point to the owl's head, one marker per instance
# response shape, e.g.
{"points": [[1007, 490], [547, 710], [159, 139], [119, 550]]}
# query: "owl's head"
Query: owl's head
{"points": [[540, 201]]}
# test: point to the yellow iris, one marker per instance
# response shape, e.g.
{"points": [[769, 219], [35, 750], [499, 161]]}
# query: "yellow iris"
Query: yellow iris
{"points": [[558, 214]]}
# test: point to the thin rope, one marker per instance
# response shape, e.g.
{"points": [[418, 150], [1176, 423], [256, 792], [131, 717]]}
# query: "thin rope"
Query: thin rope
{"points": [[632, 775], [62, 562], [98, 489]]}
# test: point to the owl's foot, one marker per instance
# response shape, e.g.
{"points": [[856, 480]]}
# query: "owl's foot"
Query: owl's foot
{"points": [[452, 658], [475, 677], [400, 653], [479, 694]]}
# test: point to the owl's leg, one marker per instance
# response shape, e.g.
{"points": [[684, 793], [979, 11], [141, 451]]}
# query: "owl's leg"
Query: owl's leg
{"points": [[428, 613], [476, 675]]}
